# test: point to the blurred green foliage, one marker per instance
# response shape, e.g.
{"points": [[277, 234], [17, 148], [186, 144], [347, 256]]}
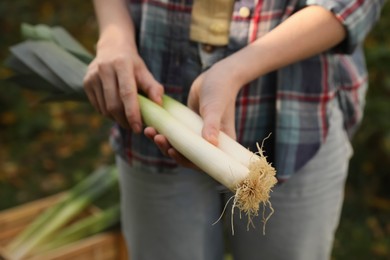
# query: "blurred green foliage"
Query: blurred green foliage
{"points": [[46, 148], [364, 231]]}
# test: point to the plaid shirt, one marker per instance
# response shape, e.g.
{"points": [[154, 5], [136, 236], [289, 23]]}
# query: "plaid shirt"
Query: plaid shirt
{"points": [[292, 103]]}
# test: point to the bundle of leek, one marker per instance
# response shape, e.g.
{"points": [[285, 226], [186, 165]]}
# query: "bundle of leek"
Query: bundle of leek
{"points": [[62, 63], [42, 234]]}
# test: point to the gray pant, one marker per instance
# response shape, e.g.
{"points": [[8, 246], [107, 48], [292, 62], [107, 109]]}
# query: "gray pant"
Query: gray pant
{"points": [[169, 216]]}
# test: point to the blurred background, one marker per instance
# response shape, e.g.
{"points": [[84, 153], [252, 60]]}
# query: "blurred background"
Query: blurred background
{"points": [[47, 148]]}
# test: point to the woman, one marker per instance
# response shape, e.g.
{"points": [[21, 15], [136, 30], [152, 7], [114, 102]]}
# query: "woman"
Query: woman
{"points": [[249, 68]]}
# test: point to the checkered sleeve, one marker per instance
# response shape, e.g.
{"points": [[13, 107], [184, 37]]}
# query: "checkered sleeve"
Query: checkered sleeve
{"points": [[357, 16]]}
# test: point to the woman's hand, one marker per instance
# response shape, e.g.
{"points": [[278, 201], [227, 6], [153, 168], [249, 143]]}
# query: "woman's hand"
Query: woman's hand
{"points": [[115, 76], [212, 95]]}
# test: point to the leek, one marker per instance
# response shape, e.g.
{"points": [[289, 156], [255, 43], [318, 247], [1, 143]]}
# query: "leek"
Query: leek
{"points": [[45, 216], [77, 200], [83, 228], [251, 178]]}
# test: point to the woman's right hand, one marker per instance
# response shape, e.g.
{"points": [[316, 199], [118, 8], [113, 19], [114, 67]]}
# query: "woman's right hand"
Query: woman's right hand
{"points": [[115, 76]]}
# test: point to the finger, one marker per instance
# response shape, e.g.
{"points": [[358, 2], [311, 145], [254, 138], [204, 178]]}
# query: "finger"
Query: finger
{"points": [[98, 92], [128, 94], [150, 86], [108, 89], [212, 123], [120, 118], [162, 143], [150, 132], [96, 97], [112, 102], [88, 88], [89, 84]]}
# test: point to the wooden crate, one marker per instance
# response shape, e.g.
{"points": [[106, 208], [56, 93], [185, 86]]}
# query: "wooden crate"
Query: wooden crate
{"points": [[103, 246]]}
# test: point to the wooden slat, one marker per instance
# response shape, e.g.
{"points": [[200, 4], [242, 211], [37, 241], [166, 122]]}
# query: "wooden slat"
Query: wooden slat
{"points": [[103, 246], [14, 219]]}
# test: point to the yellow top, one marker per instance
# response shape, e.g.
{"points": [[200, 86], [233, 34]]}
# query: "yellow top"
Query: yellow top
{"points": [[210, 21]]}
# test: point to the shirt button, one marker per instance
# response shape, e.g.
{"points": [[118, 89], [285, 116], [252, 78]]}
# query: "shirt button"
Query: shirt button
{"points": [[244, 12], [208, 48]]}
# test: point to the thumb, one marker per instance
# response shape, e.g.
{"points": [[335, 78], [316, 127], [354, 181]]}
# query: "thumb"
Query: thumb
{"points": [[216, 121], [212, 124]]}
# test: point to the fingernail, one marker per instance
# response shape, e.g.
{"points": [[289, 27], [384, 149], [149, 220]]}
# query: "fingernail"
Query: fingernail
{"points": [[136, 128], [212, 137], [159, 100]]}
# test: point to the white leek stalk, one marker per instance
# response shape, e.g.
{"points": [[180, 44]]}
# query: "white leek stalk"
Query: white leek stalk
{"points": [[245, 173], [203, 154], [193, 121]]}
